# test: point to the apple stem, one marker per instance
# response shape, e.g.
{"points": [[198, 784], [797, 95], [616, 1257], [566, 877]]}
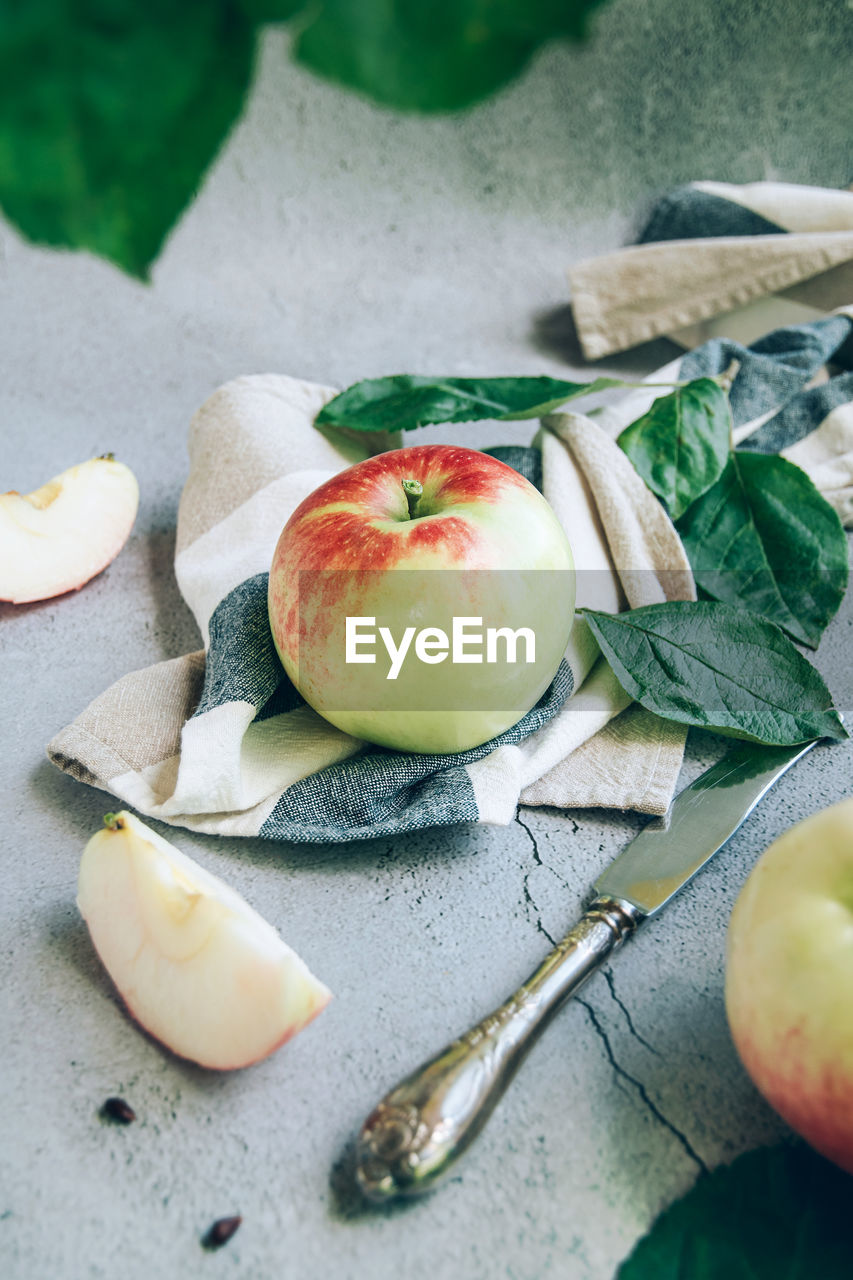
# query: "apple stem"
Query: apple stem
{"points": [[413, 490], [113, 821]]}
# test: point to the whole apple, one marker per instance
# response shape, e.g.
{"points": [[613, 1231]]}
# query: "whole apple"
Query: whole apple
{"points": [[789, 979], [423, 598]]}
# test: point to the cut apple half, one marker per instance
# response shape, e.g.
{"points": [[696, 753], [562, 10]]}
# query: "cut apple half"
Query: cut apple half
{"points": [[57, 538], [195, 964]]}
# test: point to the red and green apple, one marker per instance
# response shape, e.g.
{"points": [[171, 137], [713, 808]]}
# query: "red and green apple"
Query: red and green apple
{"points": [[423, 599], [789, 979]]}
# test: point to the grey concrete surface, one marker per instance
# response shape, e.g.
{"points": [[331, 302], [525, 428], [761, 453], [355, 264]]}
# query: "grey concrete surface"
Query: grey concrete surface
{"points": [[334, 240]]}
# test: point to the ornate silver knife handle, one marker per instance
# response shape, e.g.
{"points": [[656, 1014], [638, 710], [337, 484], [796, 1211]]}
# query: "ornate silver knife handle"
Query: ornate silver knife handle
{"points": [[418, 1130], [415, 1134]]}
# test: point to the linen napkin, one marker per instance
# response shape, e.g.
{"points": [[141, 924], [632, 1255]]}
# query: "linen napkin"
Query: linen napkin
{"points": [[219, 741], [783, 399], [719, 260]]}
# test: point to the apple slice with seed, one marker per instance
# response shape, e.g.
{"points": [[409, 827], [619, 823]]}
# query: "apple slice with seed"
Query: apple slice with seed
{"points": [[57, 538], [195, 964]]}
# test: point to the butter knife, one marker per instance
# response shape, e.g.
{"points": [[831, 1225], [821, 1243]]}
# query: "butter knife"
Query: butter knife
{"points": [[413, 1137]]}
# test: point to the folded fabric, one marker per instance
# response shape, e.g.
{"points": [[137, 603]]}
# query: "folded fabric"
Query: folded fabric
{"points": [[219, 741], [783, 400], [718, 260]]}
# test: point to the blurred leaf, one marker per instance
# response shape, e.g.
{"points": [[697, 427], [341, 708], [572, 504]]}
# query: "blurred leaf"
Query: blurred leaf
{"points": [[433, 56], [110, 112], [263, 11], [775, 1214]]}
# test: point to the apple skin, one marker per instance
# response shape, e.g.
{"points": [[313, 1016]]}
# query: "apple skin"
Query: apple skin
{"points": [[789, 979], [196, 966], [476, 513], [58, 537]]}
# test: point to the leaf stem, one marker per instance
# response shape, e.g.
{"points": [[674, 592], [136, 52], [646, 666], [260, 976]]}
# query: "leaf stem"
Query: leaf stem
{"points": [[413, 490], [725, 379]]}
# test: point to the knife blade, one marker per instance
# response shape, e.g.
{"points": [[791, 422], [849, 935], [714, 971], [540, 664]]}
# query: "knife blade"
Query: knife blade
{"points": [[661, 860], [414, 1136]]}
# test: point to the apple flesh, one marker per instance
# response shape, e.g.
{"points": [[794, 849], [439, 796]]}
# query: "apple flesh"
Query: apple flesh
{"points": [[401, 539], [57, 538], [789, 979], [196, 966]]}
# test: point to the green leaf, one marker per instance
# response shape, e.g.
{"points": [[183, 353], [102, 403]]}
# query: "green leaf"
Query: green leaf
{"points": [[681, 445], [433, 56], [719, 667], [405, 401], [764, 537], [264, 11], [110, 112], [776, 1214]]}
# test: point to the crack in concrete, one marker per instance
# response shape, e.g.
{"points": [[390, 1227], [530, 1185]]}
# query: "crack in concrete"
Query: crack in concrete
{"points": [[534, 844], [537, 858], [621, 1074], [682, 1139], [608, 978], [532, 910]]}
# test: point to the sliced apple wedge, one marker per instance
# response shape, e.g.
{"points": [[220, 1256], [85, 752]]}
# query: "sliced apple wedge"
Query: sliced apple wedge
{"points": [[60, 536], [194, 963]]}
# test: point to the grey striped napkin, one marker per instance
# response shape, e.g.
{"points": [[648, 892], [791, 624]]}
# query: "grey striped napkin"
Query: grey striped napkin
{"points": [[219, 741], [719, 260]]}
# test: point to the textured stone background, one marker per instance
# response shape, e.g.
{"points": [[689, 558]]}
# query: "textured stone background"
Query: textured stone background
{"points": [[334, 240]]}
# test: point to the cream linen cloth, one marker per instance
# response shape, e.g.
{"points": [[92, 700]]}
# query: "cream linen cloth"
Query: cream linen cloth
{"points": [[218, 741], [719, 260]]}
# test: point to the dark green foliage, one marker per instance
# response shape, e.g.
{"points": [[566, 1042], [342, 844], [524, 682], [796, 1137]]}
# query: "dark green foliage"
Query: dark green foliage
{"points": [[111, 111], [405, 401], [763, 537], [719, 667], [781, 1213]]}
